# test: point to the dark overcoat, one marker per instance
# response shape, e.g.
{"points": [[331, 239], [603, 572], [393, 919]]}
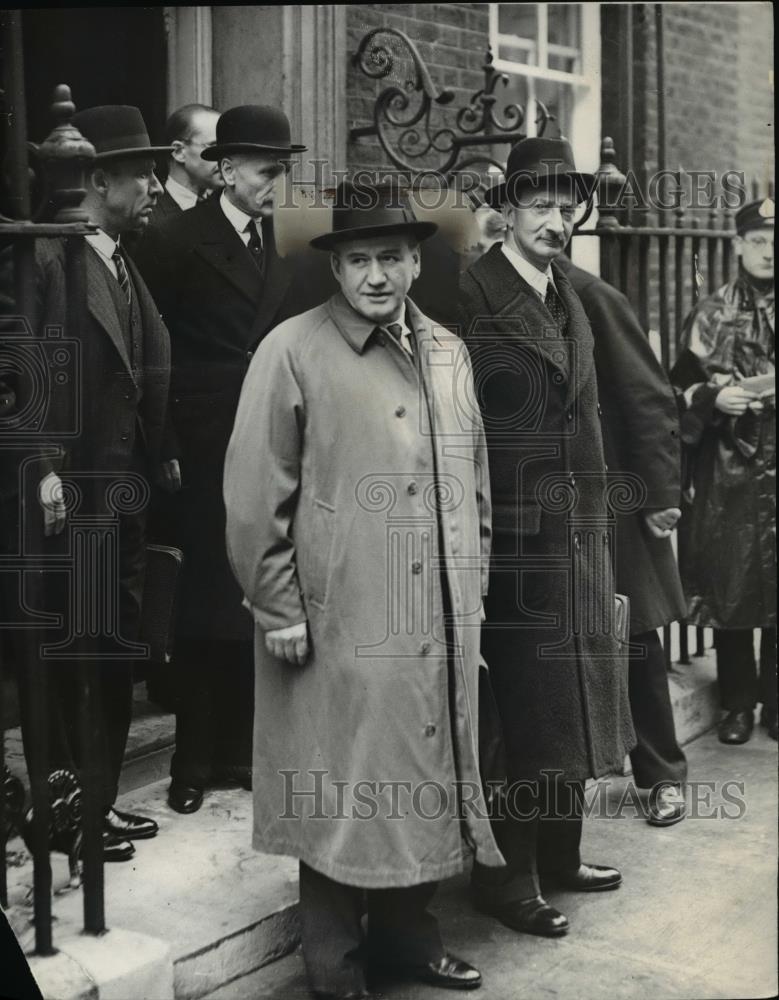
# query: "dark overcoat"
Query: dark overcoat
{"points": [[728, 528], [218, 307], [558, 670], [640, 425]]}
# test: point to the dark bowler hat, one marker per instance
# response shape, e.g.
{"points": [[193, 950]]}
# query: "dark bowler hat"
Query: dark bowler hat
{"points": [[756, 215], [366, 210], [251, 128], [535, 163], [116, 130]]}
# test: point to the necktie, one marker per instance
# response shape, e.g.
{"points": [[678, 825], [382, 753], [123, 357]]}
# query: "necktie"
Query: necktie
{"points": [[555, 307], [121, 275], [396, 330], [255, 243]]}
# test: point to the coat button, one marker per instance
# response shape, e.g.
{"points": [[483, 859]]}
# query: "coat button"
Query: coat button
{"points": [[416, 566], [249, 355], [569, 414], [425, 648], [401, 411], [430, 729], [571, 479], [412, 489], [125, 437], [600, 411], [577, 542]]}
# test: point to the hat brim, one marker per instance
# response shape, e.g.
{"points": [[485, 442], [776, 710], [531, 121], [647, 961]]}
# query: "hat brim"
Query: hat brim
{"points": [[421, 230], [216, 152], [133, 152], [498, 194]]}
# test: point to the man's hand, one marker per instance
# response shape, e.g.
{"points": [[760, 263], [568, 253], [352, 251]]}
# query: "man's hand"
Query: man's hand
{"points": [[53, 503], [170, 475], [733, 400], [662, 522], [290, 644]]}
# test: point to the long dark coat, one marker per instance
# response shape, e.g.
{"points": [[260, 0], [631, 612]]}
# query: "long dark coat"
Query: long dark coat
{"points": [[357, 494], [558, 670], [640, 425], [218, 308], [728, 529]]}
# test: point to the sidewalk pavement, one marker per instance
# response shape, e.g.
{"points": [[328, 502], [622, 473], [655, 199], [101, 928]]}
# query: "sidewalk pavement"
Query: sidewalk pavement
{"points": [[695, 917]]}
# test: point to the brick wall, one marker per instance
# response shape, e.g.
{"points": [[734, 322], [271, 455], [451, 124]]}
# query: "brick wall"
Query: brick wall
{"points": [[718, 92], [451, 39]]}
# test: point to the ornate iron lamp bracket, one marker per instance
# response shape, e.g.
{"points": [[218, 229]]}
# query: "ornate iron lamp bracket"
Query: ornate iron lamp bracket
{"points": [[403, 111]]}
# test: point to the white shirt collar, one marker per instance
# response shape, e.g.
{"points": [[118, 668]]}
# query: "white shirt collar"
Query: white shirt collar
{"points": [[238, 220], [538, 280], [183, 197], [106, 247]]}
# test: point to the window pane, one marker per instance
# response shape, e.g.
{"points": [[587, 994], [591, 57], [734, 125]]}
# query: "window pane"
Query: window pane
{"points": [[519, 53], [518, 19], [564, 25], [564, 63], [558, 99]]}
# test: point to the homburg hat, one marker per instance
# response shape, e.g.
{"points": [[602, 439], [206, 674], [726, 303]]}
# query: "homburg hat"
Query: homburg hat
{"points": [[755, 215], [539, 163], [252, 128], [117, 131], [361, 211]]}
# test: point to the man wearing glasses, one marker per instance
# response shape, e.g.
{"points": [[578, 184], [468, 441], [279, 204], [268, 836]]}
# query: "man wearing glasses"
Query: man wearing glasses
{"points": [[556, 663], [217, 278], [727, 537]]}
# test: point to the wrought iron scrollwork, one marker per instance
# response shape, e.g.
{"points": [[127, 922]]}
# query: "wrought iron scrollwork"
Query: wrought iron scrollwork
{"points": [[403, 113]]}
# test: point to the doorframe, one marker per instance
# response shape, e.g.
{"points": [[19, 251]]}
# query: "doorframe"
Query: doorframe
{"points": [[190, 56]]}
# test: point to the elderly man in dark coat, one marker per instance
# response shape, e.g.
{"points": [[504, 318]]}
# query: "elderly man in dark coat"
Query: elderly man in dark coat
{"points": [[640, 426], [726, 372], [221, 286], [557, 665], [358, 526]]}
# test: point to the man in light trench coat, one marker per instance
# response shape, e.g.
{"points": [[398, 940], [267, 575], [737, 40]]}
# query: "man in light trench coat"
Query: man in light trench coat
{"points": [[358, 519]]}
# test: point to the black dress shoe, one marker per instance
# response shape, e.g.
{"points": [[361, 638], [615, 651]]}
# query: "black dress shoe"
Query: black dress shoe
{"points": [[184, 798], [768, 720], [666, 806], [115, 849], [530, 916], [585, 878], [448, 973], [736, 727], [129, 827]]}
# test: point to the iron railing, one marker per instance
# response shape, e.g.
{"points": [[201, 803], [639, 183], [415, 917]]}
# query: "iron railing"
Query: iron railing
{"points": [[63, 159]]}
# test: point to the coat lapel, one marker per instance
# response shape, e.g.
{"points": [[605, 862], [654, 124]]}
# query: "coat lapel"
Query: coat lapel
{"points": [[582, 344], [223, 249], [511, 297], [101, 305]]}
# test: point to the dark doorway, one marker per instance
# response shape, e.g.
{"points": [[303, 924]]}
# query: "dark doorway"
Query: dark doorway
{"points": [[106, 55]]}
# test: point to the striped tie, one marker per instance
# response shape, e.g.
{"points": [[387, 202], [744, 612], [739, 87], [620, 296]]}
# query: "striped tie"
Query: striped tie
{"points": [[122, 276]]}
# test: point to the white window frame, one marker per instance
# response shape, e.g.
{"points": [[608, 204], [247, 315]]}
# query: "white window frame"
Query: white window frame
{"points": [[584, 133]]}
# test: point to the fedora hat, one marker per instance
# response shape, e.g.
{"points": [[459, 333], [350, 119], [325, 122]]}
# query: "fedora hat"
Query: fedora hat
{"points": [[366, 210], [116, 131], [251, 128], [535, 163]]}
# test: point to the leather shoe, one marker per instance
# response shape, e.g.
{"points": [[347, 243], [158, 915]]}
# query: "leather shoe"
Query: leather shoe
{"points": [[130, 827], [666, 806], [585, 878], [184, 798], [115, 849], [449, 973], [736, 727], [531, 916], [768, 720]]}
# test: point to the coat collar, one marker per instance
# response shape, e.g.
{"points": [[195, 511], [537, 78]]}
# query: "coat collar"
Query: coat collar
{"points": [[357, 330], [510, 296]]}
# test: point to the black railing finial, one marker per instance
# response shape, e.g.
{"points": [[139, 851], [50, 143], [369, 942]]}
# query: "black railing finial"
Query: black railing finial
{"points": [[65, 155]]}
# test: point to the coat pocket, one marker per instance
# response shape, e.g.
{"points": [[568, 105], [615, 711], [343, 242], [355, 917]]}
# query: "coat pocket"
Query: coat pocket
{"points": [[320, 550]]}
